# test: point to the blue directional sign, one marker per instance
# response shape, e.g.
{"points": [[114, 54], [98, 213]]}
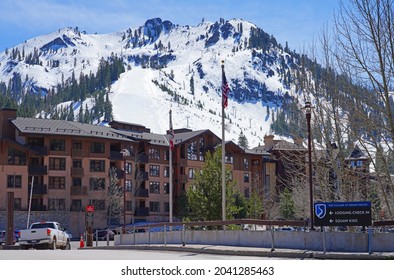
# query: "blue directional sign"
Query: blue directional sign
{"points": [[343, 213]]}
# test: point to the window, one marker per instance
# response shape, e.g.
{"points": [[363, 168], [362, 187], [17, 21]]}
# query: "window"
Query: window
{"points": [[166, 188], [76, 205], [192, 151], [202, 147], [97, 166], [229, 158], [57, 183], [255, 162], [154, 153], [99, 204], [129, 185], [154, 206], [17, 203], [230, 175], [57, 204], [246, 177], [16, 157], [77, 146], [191, 173], [77, 182], [57, 164], [246, 163], [246, 193], [154, 187], [154, 170], [14, 181], [129, 205], [97, 184], [166, 207], [57, 145], [35, 142], [97, 147], [267, 186], [128, 168], [77, 163], [166, 171]]}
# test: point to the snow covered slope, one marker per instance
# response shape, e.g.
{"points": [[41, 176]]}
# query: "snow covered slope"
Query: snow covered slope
{"points": [[168, 66]]}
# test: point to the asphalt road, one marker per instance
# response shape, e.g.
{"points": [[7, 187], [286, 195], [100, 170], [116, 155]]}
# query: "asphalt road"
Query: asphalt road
{"points": [[75, 254]]}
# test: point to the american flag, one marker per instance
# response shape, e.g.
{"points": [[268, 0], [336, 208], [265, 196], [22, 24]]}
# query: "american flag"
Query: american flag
{"points": [[171, 132], [225, 89]]}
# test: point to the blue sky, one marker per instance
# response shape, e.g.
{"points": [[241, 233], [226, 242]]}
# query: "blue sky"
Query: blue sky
{"points": [[295, 21]]}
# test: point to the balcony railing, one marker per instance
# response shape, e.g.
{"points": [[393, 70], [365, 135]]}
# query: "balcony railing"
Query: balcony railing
{"points": [[38, 189], [41, 150], [77, 153], [114, 155], [39, 208], [38, 170], [142, 176], [183, 178], [142, 192], [77, 171], [79, 190], [142, 159], [142, 211]]}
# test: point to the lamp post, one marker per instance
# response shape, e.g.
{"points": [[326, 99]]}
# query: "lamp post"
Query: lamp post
{"points": [[308, 110], [125, 153]]}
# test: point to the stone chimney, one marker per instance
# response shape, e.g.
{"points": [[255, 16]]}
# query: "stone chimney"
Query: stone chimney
{"points": [[269, 141], [298, 141]]}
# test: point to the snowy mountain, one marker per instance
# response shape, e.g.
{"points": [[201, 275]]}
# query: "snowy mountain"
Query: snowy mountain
{"points": [[166, 66]]}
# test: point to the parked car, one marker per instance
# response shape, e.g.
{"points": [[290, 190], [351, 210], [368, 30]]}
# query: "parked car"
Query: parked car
{"points": [[45, 234], [3, 237], [101, 234]]}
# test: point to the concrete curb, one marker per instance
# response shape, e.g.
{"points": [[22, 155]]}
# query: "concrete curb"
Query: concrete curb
{"points": [[251, 251]]}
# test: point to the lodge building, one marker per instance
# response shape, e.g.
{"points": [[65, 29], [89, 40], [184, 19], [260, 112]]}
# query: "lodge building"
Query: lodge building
{"points": [[64, 166]]}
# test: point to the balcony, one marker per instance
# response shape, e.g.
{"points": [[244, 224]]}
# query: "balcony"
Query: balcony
{"points": [[142, 159], [77, 171], [79, 190], [38, 189], [40, 150], [142, 192], [38, 170], [38, 208], [142, 176], [114, 155], [183, 178], [119, 173], [142, 211], [77, 153]]}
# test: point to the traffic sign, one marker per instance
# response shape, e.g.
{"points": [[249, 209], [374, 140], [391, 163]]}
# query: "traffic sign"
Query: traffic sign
{"points": [[89, 208], [343, 213]]}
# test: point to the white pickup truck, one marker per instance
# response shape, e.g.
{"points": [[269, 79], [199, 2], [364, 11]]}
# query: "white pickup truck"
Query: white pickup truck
{"points": [[44, 235]]}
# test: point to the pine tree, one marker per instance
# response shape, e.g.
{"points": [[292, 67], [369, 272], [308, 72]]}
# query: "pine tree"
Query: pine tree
{"points": [[286, 205], [192, 85], [243, 141], [204, 195]]}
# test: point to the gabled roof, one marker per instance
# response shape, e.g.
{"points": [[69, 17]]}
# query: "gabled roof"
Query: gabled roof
{"points": [[357, 153]]}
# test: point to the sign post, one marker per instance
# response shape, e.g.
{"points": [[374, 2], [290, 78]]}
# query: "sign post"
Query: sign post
{"points": [[343, 213], [89, 220]]}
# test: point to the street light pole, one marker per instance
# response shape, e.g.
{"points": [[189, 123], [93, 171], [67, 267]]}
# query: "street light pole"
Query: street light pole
{"points": [[308, 109]]}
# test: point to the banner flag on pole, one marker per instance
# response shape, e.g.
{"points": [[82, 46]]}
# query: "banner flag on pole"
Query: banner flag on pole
{"points": [[171, 132], [225, 89]]}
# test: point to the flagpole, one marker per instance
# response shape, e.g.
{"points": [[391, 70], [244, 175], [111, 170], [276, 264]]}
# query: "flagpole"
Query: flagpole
{"points": [[223, 157], [170, 163]]}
